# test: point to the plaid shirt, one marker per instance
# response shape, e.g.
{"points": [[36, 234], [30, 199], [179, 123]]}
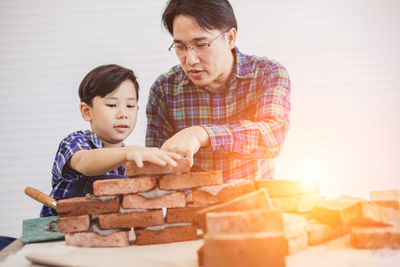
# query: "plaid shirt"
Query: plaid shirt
{"points": [[63, 176], [247, 119]]}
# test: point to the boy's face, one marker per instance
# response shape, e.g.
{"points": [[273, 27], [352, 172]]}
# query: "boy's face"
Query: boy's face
{"points": [[113, 117]]}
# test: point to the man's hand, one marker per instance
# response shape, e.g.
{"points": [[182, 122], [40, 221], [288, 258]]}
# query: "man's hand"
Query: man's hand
{"points": [[187, 142], [155, 155]]}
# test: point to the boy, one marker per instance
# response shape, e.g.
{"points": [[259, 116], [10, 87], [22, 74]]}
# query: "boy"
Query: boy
{"points": [[109, 101]]}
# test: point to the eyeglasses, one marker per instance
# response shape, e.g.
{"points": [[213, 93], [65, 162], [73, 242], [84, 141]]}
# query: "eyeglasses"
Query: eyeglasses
{"points": [[199, 47]]}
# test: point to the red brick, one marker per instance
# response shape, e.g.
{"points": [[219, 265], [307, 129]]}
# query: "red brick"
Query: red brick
{"points": [[84, 206], [113, 187], [200, 256], [373, 214], [251, 201], [296, 243], [287, 188], [73, 224], [190, 180], [293, 224], [131, 219], [166, 235], [342, 210], [154, 169], [299, 204], [91, 239], [171, 200], [249, 249], [385, 195], [319, 233], [221, 193], [387, 198], [182, 215], [244, 221], [375, 237]]}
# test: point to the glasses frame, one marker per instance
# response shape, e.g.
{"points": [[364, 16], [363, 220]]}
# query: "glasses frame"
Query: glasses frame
{"points": [[192, 47]]}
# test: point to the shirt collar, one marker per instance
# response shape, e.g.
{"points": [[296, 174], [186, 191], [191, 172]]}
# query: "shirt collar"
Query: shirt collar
{"points": [[244, 65], [94, 139], [242, 70]]}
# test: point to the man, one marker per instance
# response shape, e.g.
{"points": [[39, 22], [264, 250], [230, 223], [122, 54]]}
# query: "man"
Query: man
{"points": [[222, 109]]}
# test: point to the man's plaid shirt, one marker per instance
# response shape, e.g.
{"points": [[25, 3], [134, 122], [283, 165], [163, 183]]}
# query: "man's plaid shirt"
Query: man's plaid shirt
{"points": [[247, 119]]}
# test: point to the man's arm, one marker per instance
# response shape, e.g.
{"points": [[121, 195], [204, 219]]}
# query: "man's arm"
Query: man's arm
{"points": [[264, 135], [101, 160]]}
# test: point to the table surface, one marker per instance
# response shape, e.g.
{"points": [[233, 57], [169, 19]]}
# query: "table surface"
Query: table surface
{"points": [[338, 252]]}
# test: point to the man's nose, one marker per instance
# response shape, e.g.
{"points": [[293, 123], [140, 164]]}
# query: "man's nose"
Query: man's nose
{"points": [[191, 56]]}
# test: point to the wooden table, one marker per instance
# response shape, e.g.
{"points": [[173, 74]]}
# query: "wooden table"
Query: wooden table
{"points": [[334, 253]]}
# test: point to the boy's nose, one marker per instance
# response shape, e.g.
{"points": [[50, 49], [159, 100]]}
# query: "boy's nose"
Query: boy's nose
{"points": [[122, 114]]}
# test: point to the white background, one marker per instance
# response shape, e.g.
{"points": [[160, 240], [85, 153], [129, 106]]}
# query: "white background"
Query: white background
{"points": [[343, 57]]}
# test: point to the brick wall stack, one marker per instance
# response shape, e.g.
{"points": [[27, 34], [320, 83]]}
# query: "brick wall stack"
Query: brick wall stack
{"points": [[165, 204], [153, 200]]}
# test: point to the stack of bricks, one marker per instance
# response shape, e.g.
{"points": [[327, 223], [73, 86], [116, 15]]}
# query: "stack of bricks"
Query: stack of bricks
{"points": [[138, 202], [244, 231], [373, 224], [289, 217]]}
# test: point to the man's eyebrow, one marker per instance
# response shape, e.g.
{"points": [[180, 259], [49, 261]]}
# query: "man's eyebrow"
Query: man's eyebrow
{"points": [[197, 39]]}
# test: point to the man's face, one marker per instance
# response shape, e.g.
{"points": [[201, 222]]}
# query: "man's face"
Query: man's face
{"points": [[113, 117], [211, 65]]}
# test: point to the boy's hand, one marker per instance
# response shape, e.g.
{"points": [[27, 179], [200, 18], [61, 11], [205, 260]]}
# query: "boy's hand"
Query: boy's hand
{"points": [[139, 154], [187, 142]]}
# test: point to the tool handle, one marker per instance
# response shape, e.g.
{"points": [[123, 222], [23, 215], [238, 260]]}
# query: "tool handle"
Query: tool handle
{"points": [[41, 197]]}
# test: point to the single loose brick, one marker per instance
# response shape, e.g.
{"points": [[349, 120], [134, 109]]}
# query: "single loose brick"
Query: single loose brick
{"points": [[251, 201], [111, 187], [200, 256], [167, 234], [342, 210], [84, 206], [307, 203], [293, 224], [131, 219], [375, 237], [385, 195], [296, 243], [244, 221], [182, 215], [91, 239], [287, 188], [190, 180], [73, 224], [246, 249], [154, 169], [171, 200], [209, 195], [387, 198], [319, 233], [373, 214]]}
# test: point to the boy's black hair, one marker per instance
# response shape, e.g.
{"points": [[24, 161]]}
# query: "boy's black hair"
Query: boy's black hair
{"points": [[103, 80], [210, 14]]}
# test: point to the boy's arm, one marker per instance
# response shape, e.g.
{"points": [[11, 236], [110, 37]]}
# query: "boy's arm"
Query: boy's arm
{"points": [[101, 160]]}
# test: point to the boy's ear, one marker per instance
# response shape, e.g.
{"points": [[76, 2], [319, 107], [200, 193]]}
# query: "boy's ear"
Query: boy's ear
{"points": [[86, 111]]}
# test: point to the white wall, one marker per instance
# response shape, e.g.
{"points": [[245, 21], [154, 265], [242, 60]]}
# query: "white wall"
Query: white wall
{"points": [[343, 57]]}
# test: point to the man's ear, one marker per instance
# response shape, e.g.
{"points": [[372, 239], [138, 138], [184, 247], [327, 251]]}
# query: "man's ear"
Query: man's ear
{"points": [[86, 111], [231, 34]]}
